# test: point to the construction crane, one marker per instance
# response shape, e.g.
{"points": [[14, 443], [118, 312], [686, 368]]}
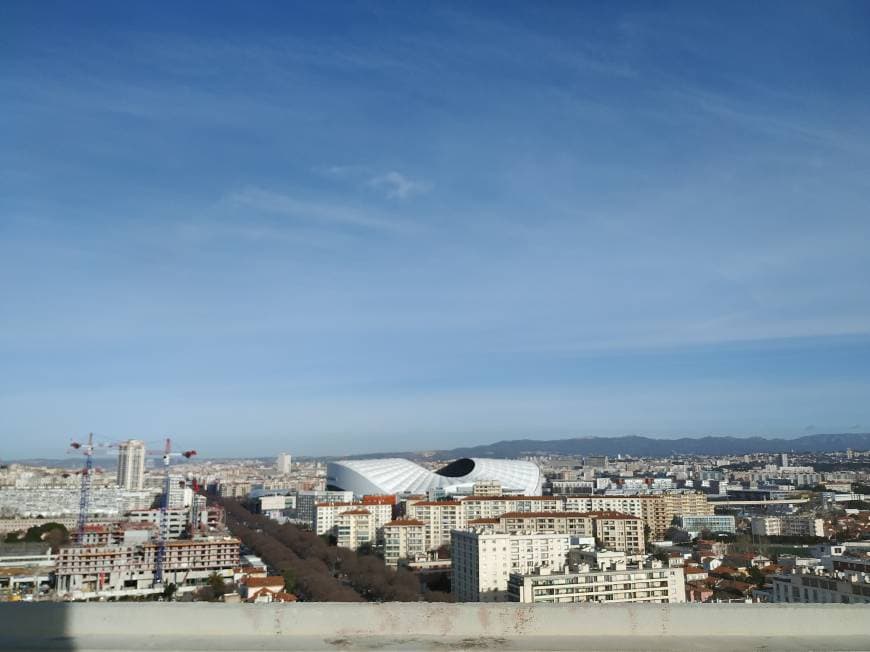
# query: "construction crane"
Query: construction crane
{"points": [[87, 473], [163, 530], [85, 491]]}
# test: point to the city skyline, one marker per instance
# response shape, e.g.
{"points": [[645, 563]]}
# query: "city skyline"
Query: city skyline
{"points": [[359, 228]]}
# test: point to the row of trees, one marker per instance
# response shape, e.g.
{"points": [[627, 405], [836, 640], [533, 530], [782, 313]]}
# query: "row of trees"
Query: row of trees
{"points": [[320, 572]]}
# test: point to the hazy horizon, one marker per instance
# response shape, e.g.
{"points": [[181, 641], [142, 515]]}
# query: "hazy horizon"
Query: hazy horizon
{"points": [[370, 227]]}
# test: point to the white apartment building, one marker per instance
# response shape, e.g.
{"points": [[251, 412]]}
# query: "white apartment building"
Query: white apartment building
{"points": [[131, 464], [380, 508], [816, 585], [483, 561], [494, 506], [789, 526], [404, 539], [650, 583]]}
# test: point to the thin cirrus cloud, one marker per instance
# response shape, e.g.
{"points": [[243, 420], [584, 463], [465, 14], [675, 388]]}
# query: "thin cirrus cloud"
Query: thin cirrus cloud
{"points": [[398, 186], [324, 213], [393, 184]]}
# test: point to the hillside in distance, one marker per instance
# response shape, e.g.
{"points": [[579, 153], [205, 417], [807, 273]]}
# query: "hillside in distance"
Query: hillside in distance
{"points": [[649, 447]]}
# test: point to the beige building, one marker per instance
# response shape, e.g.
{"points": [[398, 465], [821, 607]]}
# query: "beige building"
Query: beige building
{"points": [[354, 528], [439, 517], [483, 561], [623, 532], [657, 510], [486, 488], [404, 539], [610, 530]]}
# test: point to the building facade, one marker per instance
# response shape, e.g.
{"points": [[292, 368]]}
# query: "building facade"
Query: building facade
{"points": [[713, 523], [650, 583], [404, 539], [131, 465], [483, 561], [128, 569]]}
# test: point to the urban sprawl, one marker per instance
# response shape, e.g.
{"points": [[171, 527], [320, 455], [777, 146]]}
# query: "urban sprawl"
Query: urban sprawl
{"points": [[542, 529]]}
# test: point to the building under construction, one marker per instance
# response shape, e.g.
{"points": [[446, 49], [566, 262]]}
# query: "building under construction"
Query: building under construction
{"points": [[125, 567]]}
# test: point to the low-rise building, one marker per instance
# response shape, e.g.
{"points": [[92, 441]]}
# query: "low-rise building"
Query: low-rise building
{"points": [[811, 585], [650, 583], [711, 522]]}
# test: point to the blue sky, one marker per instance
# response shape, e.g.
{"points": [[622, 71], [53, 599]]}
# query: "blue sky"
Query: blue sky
{"points": [[348, 227]]}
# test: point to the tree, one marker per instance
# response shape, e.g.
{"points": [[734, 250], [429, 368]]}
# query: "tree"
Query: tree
{"points": [[289, 580], [758, 578], [217, 585], [169, 591]]}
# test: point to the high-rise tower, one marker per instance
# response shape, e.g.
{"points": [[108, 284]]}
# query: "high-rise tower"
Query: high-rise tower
{"points": [[282, 463], [131, 464]]}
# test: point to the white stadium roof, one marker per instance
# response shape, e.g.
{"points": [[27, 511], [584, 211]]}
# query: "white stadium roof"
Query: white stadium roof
{"points": [[397, 475]]}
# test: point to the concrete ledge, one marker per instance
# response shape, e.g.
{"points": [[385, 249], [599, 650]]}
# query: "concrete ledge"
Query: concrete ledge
{"points": [[403, 626]]}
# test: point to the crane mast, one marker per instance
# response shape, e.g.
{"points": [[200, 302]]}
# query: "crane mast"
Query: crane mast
{"points": [[85, 488]]}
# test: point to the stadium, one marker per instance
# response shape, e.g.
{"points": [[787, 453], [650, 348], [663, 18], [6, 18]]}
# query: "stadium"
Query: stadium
{"points": [[400, 476]]}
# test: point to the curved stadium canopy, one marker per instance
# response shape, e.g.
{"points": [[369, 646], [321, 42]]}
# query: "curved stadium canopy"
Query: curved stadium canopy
{"points": [[397, 475]]}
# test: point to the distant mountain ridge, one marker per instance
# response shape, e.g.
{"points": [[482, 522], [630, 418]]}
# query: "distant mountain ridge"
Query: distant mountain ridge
{"points": [[644, 446], [649, 447]]}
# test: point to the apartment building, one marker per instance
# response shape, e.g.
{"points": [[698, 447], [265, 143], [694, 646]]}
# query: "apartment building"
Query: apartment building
{"points": [[380, 508], [486, 488], [816, 585], [354, 528], [650, 583], [440, 518], [404, 539], [787, 526], [306, 502], [494, 506], [483, 561], [127, 569], [131, 464], [614, 531], [611, 530], [657, 510]]}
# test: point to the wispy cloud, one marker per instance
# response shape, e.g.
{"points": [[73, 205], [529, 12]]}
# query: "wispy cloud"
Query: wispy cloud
{"points": [[398, 186], [326, 213]]}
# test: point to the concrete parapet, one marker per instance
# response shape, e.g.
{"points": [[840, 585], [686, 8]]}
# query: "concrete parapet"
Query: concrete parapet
{"points": [[404, 626]]}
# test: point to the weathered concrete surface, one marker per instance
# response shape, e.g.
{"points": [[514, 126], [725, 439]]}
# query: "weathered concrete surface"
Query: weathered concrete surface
{"points": [[396, 626]]}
